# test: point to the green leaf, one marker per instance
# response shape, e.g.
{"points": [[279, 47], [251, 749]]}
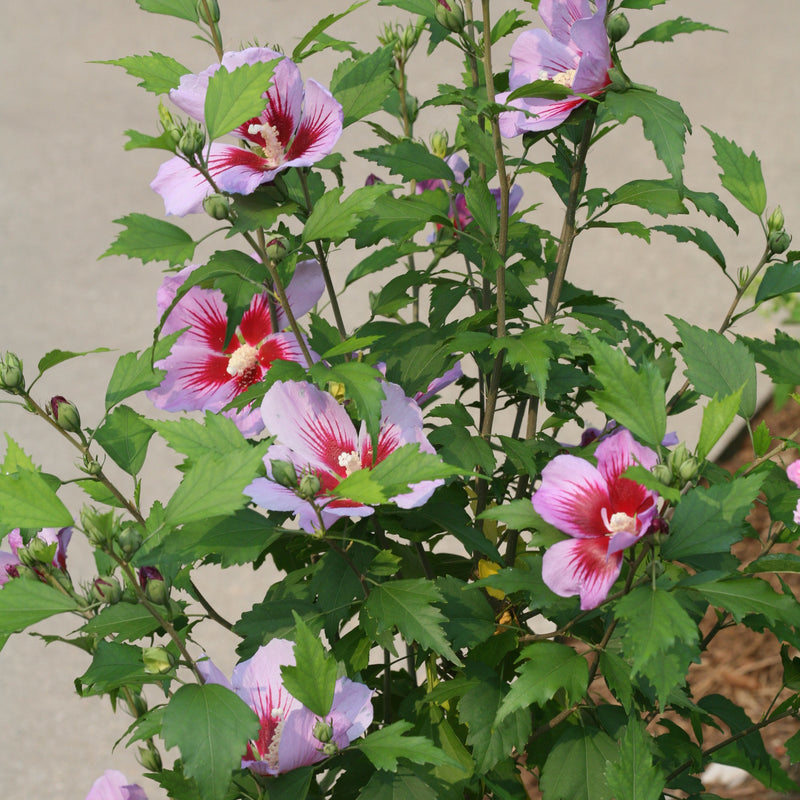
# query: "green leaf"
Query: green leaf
{"points": [[652, 620], [778, 279], [545, 89], [362, 85], [214, 486], [470, 618], [411, 160], [717, 418], [124, 435], [709, 520], [533, 351], [299, 52], [633, 776], [576, 765], [138, 141], [516, 514], [333, 220], [399, 218], [482, 205], [114, 665], [215, 435], [381, 259], [123, 621], [716, 366], [27, 501], [741, 174], [699, 237], [710, 204], [16, 459], [159, 73], [237, 96], [666, 31], [549, 668], [631, 227], [781, 359], [25, 602], [211, 727], [49, 360], [385, 746], [313, 680], [663, 121], [404, 784], [635, 399], [151, 239], [408, 606], [183, 9], [775, 562], [657, 197]]}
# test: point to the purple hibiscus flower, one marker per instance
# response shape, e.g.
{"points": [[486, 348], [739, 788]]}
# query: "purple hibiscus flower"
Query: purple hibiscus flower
{"points": [[286, 738], [299, 126], [575, 54], [113, 785], [315, 434], [603, 512]]}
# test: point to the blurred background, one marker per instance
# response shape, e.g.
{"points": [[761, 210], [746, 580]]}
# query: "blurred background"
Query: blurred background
{"points": [[66, 178]]}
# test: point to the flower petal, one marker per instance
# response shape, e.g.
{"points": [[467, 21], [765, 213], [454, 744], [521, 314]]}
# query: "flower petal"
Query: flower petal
{"points": [[304, 290], [582, 567], [182, 187], [320, 127]]}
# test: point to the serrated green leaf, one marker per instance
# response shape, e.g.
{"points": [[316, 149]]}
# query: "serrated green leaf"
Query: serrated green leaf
{"points": [[150, 239], [124, 435], [362, 85], [482, 204], [741, 174], [25, 602], [666, 31], [16, 459], [470, 618], [237, 96], [544, 89], [716, 366], [183, 9], [775, 562], [299, 52], [575, 767], [699, 237], [333, 220], [630, 227], [549, 668], [215, 435], [211, 726], [408, 606], [778, 279], [138, 140], [28, 501], [403, 784], [663, 120], [113, 665], [718, 416], [124, 621], [100, 493], [159, 73], [516, 514], [533, 351], [49, 360], [657, 197], [411, 160], [710, 204], [633, 776], [385, 746], [780, 359]]}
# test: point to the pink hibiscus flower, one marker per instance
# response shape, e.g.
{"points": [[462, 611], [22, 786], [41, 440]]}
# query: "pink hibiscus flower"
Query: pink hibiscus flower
{"points": [[315, 434], [575, 54], [793, 474], [299, 126], [203, 374], [113, 785], [603, 512], [287, 737]]}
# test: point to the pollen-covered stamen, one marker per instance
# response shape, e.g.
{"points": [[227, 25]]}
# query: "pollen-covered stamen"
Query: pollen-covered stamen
{"points": [[565, 78], [350, 461], [619, 522], [270, 149], [272, 718], [242, 359]]}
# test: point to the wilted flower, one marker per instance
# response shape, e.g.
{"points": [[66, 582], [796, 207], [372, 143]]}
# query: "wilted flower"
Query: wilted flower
{"points": [[113, 785], [603, 512], [288, 736], [50, 536], [203, 374], [315, 434], [575, 54], [299, 126]]}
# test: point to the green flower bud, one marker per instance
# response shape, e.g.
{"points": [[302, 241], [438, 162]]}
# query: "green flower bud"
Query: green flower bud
{"points": [[40, 551], [676, 457], [208, 11], [283, 472], [388, 35], [277, 248], [449, 14], [27, 559], [156, 592], [330, 749], [192, 140], [65, 414], [776, 220], [322, 731], [217, 206], [149, 759], [689, 469], [619, 82], [409, 37], [157, 660], [106, 589], [11, 377], [99, 528], [779, 242], [136, 705], [439, 143], [617, 26], [662, 473], [309, 486], [25, 572], [130, 540]]}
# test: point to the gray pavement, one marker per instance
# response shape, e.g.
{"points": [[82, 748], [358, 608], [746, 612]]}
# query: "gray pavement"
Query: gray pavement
{"points": [[66, 177]]}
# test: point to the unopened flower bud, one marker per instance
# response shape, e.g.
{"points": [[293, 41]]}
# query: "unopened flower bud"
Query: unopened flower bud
{"points": [[617, 26], [149, 759], [106, 589], [322, 731], [388, 35], [776, 220], [439, 143], [662, 473], [27, 559], [136, 705], [217, 206], [309, 486], [330, 749], [155, 589], [779, 242], [277, 249], [676, 457], [98, 527], [40, 551], [65, 414], [192, 139], [157, 660], [130, 540], [659, 528], [208, 11], [449, 14], [373, 179], [25, 572], [283, 472], [409, 37], [689, 469], [11, 377]]}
